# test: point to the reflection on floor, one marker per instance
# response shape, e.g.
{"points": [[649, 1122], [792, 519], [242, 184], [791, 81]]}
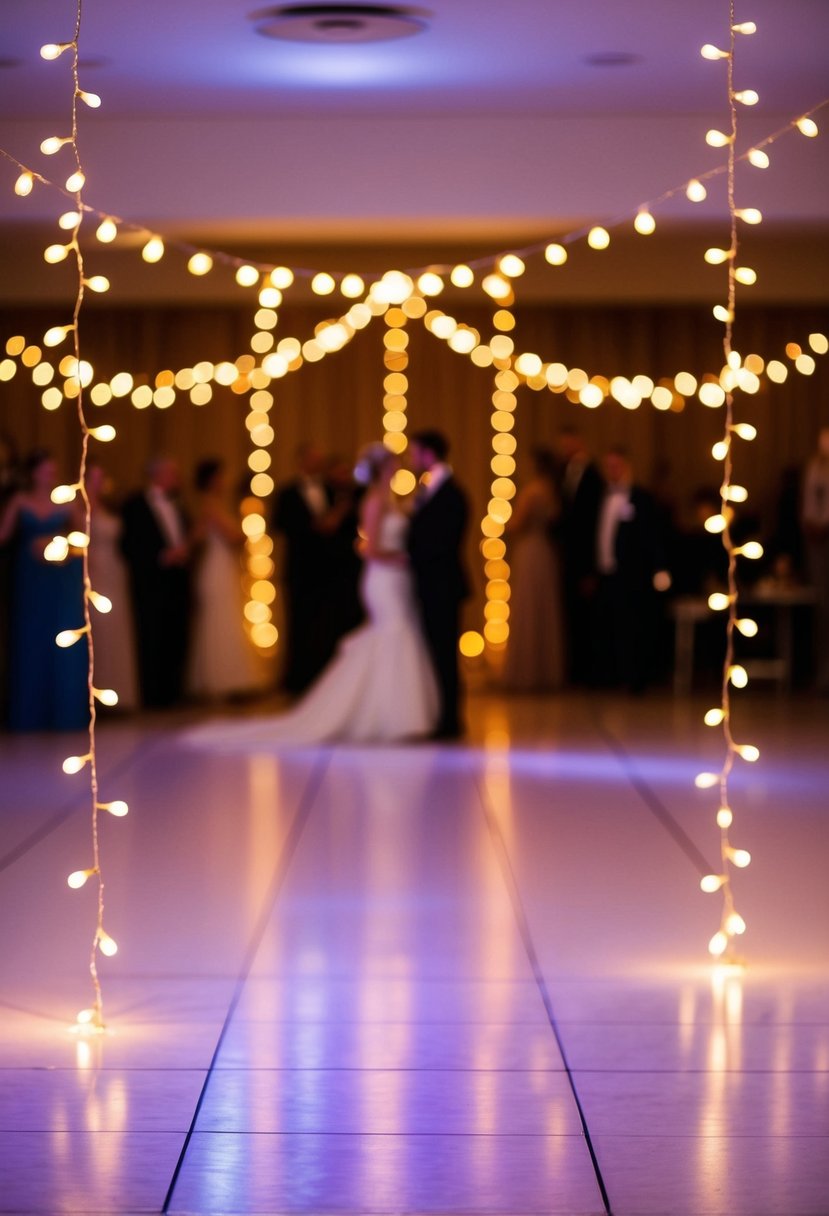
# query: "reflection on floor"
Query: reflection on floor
{"points": [[428, 979]]}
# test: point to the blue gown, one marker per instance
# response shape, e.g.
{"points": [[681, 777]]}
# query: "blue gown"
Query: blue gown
{"points": [[47, 685]]}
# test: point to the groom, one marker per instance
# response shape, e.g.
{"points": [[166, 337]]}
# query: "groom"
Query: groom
{"points": [[435, 538]]}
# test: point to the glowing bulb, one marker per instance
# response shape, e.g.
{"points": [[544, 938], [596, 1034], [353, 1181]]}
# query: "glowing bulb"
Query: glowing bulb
{"points": [[718, 601], [735, 493], [718, 944], [247, 276], [462, 276], [711, 883], [77, 878], [56, 335], [62, 494], [53, 50], [739, 857], [714, 717], [74, 764], [752, 550], [758, 158], [85, 1017], [69, 220], [717, 139], [555, 254], [102, 602], [748, 752], [745, 27], [705, 781], [75, 182], [117, 808], [497, 287], [153, 251], [281, 277], [107, 696], [807, 127], [106, 944], [644, 223], [430, 284], [56, 253], [24, 184], [749, 215], [89, 99], [200, 263], [598, 238], [68, 637], [709, 51], [78, 540], [322, 284], [57, 549], [695, 192], [747, 97], [104, 434], [54, 144], [722, 314], [98, 283], [745, 275], [745, 430], [716, 523], [511, 265], [715, 257], [734, 923], [352, 286], [720, 449], [747, 627], [724, 817], [738, 675]]}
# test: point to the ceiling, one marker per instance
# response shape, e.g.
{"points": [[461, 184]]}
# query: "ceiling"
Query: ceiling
{"points": [[504, 121]]}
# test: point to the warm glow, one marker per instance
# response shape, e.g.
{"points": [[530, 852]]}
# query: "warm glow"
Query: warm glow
{"points": [[511, 265], [322, 284], [153, 251], [758, 158], [24, 184], [462, 276], [598, 238], [709, 51], [807, 127], [644, 223], [75, 182], [200, 264], [749, 215], [247, 276], [352, 286], [747, 97], [471, 644], [555, 254], [717, 139], [695, 191]]}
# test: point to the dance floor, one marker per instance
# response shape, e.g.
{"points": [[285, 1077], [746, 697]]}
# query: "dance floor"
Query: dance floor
{"points": [[426, 979]]}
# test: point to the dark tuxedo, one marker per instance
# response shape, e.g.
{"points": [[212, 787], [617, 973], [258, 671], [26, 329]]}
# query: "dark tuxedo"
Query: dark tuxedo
{"points": [[580, 499], [625, 636], [435, 538], [161, 603], [309, 642]]}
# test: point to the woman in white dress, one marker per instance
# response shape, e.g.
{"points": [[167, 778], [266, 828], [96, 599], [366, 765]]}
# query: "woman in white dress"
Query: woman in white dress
{"points": [[113, 632], [222, 659], [380, 686]]}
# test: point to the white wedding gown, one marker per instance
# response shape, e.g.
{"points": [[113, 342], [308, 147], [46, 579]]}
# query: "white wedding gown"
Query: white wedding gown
{"points": [[379, 687]]}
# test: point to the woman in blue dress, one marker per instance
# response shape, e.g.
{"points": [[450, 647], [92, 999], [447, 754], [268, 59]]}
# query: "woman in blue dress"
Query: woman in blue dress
{"points": [[47, 684]]}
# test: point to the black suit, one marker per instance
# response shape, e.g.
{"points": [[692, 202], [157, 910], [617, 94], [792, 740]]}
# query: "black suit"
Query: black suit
{"points": [[161, 601], [580, 501], [435, 538], [309, 643], [625, 604]]}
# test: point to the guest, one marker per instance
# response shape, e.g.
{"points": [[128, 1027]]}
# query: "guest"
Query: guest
{"points": [[435, 540], [535, 651], [580, 488], [628, 564], [222, 660], [155, 544], [113, 632], [816, 534], [47, 684], [300, 506]]}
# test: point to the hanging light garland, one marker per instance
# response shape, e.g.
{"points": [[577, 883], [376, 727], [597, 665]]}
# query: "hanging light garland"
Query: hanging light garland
{"points": [[78, 376]]}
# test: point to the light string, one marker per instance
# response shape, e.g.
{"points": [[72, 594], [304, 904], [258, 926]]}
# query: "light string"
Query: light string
{"points": [[430, 277], [732, 924], [61, 547]]}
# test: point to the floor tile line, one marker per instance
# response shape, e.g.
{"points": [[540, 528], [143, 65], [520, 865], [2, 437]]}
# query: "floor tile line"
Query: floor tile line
{"points": [[650, 797], [286, 857], [525, 933], [77, 803]]}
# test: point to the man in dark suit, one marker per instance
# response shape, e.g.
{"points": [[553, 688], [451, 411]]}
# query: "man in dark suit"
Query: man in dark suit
{"points": [[435, 538], [156, 547], [629, 570], [580, 486], [300, 507]]}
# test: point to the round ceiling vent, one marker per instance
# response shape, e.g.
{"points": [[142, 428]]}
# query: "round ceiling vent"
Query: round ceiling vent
{"points": [[340, 23]]}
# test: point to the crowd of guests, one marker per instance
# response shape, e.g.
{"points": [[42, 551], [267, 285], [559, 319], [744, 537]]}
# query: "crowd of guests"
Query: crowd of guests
{"points": [[595, 558]]}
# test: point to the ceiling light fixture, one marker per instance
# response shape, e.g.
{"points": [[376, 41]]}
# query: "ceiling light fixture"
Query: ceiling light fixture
{"points": [[340, 23]]}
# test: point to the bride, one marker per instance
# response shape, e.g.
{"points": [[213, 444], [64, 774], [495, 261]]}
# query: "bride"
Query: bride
{"points": [[380, 686]]}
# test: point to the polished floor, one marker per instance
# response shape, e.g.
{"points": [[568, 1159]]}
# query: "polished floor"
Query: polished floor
{"points": [[434, 979]]}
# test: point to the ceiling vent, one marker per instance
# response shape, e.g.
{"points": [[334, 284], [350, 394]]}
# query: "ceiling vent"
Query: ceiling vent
{"points": [[340, 23]]}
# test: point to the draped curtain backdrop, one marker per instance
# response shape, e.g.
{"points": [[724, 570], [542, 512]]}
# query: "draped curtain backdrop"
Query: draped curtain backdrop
{"points": [[339, 401]]}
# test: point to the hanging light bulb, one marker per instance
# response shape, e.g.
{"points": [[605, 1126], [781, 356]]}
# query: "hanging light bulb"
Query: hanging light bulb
{"points": [[68, 637], [724, 818], [711, 883], [57, 549], [734, 923], [745, 275], [555, 254], [24, 184], [739, 857], [718, 944], [54, 144], [748, 752], [644, 222], [807, 127], [747, 97], [102, 602], [107, 696], [738, 675], [747, 627], [715, 257], [511, 265], [758, 158], [106, 944], [74, 764], [75, 182], [200, 263], [104, 434], [89, 99], [714, 717], [695, 191], [749, 215], [98, 283], [117, 808], [77, 878], [718, 601], [721, 313], [709, 51], [745, 430], [720, 449], [752, 550], [322, 284], [745, 27], [66, 493], [153, 251], [247, 276], [352, 286], [598, 238], [53, 50], [106, 231], [717, 139], [716, 523]]}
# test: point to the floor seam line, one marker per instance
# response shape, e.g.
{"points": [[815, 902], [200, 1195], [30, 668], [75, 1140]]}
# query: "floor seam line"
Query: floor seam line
{"points": [[284, 863], [525, 934]]}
